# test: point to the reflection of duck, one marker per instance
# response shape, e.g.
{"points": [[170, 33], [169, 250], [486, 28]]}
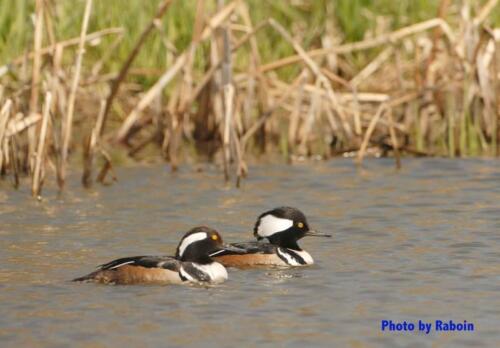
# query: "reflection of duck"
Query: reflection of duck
{"points": [[192, 263], [282, 227]]}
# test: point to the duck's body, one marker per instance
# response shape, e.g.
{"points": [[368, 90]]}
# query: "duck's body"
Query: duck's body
{"points": [[265, 254], [192, 264], [156, 269], [277, 232]]}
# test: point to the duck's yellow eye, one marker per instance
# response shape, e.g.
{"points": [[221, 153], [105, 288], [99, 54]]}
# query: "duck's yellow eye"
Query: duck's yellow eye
{"points": [[215, 237], [300, 224]]}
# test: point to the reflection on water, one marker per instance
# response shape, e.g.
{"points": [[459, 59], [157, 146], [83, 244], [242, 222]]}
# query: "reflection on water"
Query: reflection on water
{"points": [[422, 243]]}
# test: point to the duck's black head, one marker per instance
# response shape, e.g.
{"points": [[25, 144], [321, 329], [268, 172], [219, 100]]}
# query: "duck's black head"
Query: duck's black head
{"points": [[283, 227], [199, 244]]}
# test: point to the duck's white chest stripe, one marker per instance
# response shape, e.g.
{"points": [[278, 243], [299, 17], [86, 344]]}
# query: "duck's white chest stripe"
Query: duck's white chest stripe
{"points": [[295, 257], [194, 272], [287, 256], [185, 276], [308, 260], [215, 271]]}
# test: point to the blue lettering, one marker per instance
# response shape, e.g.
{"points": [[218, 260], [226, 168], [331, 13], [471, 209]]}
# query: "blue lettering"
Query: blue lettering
{"points": [[439, 325], [392, 326], [425, 327], [453, 326]]}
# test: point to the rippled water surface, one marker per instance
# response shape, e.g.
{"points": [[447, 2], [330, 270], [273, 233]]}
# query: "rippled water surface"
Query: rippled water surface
{"points": [[422, 243]]}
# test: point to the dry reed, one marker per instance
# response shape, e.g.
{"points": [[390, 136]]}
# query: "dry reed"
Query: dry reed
{"points": [[430, 88], [68, 119], [38, 171]]}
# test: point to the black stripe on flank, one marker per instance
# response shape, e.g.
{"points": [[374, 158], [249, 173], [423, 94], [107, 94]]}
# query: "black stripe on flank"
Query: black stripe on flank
{"points": [[296, 256], [194, 272], [182, 277], [292, 254]]}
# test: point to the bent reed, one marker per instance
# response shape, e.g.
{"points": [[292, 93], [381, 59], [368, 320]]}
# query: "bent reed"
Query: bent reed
{"points": [[228, 81]]}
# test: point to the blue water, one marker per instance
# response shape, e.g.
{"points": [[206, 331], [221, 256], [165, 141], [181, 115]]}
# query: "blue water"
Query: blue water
{"points": [[422, 243]]}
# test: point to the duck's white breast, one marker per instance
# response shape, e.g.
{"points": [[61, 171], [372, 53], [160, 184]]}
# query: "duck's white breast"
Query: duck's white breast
{"points": [[306, 256], [287, 254], [215, 271]]}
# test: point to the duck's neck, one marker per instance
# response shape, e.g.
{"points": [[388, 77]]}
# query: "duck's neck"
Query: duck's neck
{"points": [[282, 242], [199, 259]]}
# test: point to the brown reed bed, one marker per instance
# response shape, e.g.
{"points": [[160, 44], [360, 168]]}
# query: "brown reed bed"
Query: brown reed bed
{"points": [[429, 89]]}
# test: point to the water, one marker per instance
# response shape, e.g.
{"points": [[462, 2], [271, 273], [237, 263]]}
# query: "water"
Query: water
{"points": [[418, 244]]}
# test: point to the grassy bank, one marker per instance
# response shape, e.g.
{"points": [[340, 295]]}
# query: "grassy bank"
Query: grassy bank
{"points": [[227, 81]]}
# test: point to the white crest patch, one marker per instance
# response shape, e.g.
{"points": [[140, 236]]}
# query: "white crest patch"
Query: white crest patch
{"points": [[270, 225], [191, 239]]}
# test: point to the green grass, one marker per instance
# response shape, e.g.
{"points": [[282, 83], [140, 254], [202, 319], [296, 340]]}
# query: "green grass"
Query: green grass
{"points": [[354, 20]]}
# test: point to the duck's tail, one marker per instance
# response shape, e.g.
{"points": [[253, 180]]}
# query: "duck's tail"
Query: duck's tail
{"points": [[86, 278]]}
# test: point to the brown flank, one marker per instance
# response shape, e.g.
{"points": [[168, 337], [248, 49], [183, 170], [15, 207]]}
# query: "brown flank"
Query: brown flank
{"points": [[134, 275], [249, 260]]}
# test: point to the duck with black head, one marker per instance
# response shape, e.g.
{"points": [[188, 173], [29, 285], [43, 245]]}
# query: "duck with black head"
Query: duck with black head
{"points": [[277, 232], [192, 263]]}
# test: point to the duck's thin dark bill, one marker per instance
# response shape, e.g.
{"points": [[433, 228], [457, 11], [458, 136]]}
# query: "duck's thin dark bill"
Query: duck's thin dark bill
{"points": [[228, 249], [317, 234]]}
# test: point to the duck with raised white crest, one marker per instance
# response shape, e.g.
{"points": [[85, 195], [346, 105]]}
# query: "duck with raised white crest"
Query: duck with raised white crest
{"points": [[192, 263], [277, 232]]}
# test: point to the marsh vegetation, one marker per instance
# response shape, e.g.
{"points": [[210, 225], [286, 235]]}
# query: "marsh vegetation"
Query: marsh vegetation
{"points": [[95, 83]]}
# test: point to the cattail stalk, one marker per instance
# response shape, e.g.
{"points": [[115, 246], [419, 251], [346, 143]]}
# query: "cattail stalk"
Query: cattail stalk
{"points": [[35, 77], [37, 173], [68, 124]]}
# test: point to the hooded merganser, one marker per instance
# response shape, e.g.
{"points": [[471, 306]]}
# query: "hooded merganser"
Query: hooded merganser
{"points": [[192, 263], [282, 227]]}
